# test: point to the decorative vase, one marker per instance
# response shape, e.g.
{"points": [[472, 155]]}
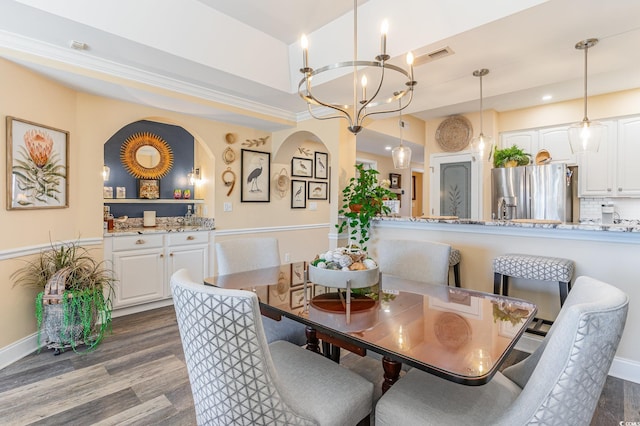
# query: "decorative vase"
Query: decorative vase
{"points": [[355, 208]]}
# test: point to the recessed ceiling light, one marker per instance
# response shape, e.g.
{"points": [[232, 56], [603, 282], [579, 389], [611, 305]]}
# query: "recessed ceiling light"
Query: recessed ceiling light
{"points": [[387, 148], [78, 45], [547, 97]]}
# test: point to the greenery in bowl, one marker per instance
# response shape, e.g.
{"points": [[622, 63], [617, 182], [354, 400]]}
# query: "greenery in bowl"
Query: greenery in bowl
{"points": [[83, 311], [513, 156], [362, 201]]}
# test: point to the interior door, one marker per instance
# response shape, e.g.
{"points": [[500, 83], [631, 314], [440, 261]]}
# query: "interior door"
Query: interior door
{"points": [[455, 186]]}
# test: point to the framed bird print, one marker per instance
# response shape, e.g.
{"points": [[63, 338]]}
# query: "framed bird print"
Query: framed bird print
{"points": [[317, 190], [298, 194], [302, 167], [255, 169], [321, 165]]}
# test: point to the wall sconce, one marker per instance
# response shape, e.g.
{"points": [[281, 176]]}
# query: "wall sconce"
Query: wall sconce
{"points": [[106, 172], [194, 176]]}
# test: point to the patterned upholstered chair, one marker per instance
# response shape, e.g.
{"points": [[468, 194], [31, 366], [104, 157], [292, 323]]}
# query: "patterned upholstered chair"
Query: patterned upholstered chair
{"points": [[535, 268], [559, 384], [454, 263], [246, 254], [423, 261], [238, 379]]}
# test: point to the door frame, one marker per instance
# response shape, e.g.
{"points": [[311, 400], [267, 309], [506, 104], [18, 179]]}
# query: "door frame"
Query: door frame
{"points": [[436, 161]]}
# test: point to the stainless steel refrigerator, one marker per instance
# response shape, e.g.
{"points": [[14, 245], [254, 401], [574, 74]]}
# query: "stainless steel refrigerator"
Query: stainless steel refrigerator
{"points": [[532, 192]]}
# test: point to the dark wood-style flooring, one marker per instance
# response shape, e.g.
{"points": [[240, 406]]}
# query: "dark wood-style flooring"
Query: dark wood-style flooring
{"points": [[137, 376]]}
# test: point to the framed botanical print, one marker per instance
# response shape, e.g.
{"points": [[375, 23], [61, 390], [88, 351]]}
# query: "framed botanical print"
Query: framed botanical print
{"points": [[297, 297], [255, 171], [317, 190], [298, 194], [149, 188], [301, 167], [321, 165], [395, 180], [297, 273], [37, 164]]}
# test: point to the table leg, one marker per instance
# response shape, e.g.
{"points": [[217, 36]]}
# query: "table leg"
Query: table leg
{"points": [[312, 340], [391, 372], [331, 351]]}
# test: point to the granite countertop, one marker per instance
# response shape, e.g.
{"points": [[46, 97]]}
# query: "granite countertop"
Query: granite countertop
{"points": [[134, 226], [628, 226], [154, 230]]}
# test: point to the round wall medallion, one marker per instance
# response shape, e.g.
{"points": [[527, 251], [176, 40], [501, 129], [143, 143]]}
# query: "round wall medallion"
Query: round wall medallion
{"points": [[228, 156], [454, 133]]}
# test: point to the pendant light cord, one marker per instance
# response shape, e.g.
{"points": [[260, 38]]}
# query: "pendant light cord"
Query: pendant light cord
{"points": [[585, 84], [481, 121]]}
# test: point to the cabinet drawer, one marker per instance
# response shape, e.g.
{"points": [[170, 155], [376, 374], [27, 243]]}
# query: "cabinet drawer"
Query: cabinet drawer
{"points": [[137, 242], [182, 238]]}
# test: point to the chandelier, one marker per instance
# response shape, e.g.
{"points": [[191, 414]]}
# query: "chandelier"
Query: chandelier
{"points": [[585, 136], [378, 102], [480, 142]]}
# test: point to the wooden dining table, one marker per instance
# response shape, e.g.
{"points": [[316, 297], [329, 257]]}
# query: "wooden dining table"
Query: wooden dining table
{"points": [[455, 333]]}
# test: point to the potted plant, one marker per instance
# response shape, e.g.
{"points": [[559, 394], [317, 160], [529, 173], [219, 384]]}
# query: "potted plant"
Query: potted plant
{"points": [[74, 304], [510, 157], [362, 200]]}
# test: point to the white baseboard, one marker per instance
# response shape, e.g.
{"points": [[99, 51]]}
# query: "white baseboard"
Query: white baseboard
{"points": [[621, 368], [18, 350], [120, 312]]}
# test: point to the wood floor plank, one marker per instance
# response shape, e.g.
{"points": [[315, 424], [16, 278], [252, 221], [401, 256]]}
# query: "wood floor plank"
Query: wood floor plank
{"points": [[631, 402], [146, 413], [611, 403]]}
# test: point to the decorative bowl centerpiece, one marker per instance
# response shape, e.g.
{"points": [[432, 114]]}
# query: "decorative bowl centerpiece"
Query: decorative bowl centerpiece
{"points": [[344, 267]]}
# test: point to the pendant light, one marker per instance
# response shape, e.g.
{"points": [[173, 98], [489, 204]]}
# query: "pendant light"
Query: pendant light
{"points": [[481, 142], [401, 154], [585, 136]]}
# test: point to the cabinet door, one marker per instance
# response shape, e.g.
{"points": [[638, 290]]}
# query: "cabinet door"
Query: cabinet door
{"points": [[627, 170], [525, 139], [556, 141], [140, 275], [596, 170], [193, 258]]}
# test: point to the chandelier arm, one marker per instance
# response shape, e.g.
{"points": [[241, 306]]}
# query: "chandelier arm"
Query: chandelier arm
{"points": [[393, 110], [343, 112], [359, 117]]}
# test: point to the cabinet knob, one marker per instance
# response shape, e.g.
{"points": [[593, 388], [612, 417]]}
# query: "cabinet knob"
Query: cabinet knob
{"points": [[140, 241], [619, 189], [171, 254], [608, 189], [161, 255], [191, 237]]}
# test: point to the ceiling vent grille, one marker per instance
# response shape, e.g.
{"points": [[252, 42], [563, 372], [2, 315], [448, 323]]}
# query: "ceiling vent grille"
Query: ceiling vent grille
{"points": [[432, 56]]}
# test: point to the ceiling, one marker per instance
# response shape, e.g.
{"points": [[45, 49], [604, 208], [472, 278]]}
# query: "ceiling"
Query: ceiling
{"points": [[238, 61]]}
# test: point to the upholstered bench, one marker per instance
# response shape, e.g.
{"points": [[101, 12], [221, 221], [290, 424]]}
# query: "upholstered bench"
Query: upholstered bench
{"points": [[535, 268], [454, 262]]}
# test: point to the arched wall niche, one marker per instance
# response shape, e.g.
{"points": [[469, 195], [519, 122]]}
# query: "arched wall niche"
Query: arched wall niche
{"points": [[189, 151]]}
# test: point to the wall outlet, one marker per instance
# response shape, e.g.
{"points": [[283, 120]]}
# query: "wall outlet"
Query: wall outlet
{"points": [[313, 206], [287, 257], [227, 207]]}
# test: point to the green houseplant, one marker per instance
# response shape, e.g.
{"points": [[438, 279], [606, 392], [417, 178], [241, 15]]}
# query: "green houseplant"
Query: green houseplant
{"points": [[74, 304], [362, 200], [510, 157]]}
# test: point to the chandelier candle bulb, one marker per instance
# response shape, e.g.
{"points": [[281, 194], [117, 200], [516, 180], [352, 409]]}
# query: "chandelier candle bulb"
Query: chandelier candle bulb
{"points": [[383, 42], [364, 87], [305, 51]]}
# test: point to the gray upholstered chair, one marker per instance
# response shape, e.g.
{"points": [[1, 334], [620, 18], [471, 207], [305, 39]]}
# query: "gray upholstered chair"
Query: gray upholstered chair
{"points": [[246, 254], [559, 384], [238, 379], [424, 261]]}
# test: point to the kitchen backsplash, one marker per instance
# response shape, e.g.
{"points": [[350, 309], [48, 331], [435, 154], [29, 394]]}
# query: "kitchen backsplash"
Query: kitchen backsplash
{"points": [[625, 208]]}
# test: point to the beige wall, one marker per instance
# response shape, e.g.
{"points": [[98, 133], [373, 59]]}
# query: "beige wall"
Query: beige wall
{"points": [[91, 120]]}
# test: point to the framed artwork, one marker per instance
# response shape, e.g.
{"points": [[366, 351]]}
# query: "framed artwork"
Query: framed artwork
{"points": [[297, 296], [395, 180], [297, 273], [262, 292], [254, 176], [319, 289], [149, 188], [321, 165], [107, 192], [121, 192], [279, 293], [298, 194], [37, 162], [317, 190], [301, 167]]}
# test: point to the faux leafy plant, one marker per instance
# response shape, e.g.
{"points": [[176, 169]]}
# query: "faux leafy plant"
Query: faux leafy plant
{"points": [[362, 200], [515, 154], [86, 301]]}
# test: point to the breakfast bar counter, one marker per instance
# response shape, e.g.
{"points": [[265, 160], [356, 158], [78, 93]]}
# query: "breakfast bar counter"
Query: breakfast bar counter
{"points": [[610, 253]]}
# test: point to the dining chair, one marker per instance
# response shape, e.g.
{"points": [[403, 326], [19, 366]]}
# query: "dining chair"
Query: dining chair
{"points": [[424, 261], [558, 384], [246, 254], [238, 379]]}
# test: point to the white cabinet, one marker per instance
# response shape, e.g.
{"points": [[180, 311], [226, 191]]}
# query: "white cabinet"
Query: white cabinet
{"points": [[143, 264], [596, 171], [553, 139], [627, 170]]}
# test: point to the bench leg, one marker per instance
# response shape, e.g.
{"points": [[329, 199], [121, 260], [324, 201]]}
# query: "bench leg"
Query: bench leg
{"points": [[497, 282], [564, 291]]}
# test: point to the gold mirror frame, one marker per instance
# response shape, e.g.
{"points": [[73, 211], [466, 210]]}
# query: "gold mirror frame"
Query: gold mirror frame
{"points": [[136, 141]]}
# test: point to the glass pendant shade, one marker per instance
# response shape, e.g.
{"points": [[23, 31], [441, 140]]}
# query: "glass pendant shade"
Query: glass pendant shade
{"points": [[401, 156], [585, 136], [480, 144]]}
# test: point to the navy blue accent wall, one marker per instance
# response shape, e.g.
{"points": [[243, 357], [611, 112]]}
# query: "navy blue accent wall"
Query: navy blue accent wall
{"points": [[182, 145]]}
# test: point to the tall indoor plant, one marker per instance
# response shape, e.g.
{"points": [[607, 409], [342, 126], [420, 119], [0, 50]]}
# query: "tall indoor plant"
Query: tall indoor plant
{"points": [[74, 304], [362, 200]]}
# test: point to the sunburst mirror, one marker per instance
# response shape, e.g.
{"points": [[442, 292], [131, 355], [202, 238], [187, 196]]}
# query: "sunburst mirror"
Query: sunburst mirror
{"points": [[146, 156]]}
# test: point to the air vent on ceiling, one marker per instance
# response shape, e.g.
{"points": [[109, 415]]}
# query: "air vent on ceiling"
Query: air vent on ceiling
{"points": [[432, 56]]}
